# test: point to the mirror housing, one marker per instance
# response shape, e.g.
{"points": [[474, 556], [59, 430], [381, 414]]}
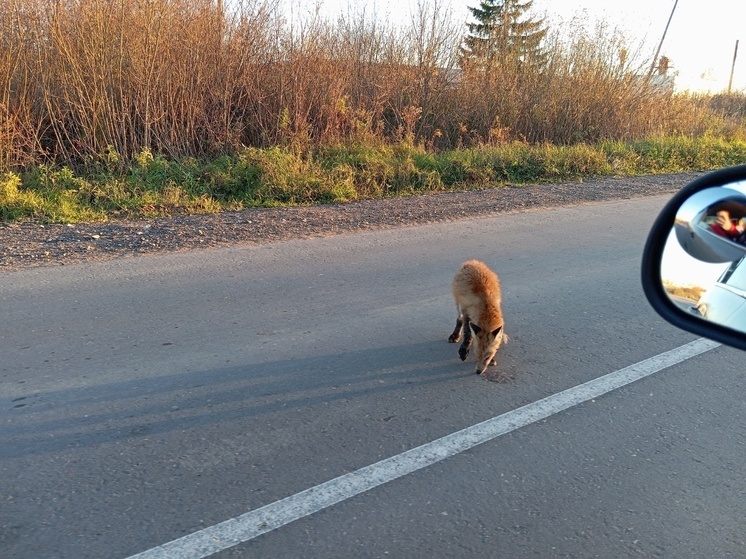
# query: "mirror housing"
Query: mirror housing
{"points": [[684, 214]]}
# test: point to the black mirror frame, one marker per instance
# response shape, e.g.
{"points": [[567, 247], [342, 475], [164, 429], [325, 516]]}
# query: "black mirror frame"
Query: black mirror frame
{"points": [[652, 255]]}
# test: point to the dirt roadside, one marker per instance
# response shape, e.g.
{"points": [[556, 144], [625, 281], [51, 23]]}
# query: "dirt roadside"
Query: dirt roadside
{"points": [[27, 245]]}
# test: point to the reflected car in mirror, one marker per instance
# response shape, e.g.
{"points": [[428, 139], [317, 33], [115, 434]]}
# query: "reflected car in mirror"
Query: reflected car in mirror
{"points": [[725, 301]]}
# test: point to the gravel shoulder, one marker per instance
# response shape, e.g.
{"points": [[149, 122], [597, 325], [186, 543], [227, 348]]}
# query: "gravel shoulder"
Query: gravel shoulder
{"points": [[28, 245]]}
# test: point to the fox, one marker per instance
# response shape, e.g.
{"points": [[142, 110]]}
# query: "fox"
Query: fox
{"points": [[476, 290]]}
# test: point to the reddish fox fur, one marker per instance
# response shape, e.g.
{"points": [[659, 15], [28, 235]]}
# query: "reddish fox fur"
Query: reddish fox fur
{"points": [[476, 290]]}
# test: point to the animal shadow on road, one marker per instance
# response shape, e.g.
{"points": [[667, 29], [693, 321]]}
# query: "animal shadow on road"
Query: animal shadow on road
{"points": [[88, 416]]}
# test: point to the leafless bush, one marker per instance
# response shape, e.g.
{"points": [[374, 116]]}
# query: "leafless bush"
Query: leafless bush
{"points": [[592, 87], [82, 80], [20, 125], [729, 105]]}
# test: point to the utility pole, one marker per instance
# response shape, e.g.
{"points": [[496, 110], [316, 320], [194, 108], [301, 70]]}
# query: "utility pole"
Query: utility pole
{"points": [[660, 45], [733, 67]]}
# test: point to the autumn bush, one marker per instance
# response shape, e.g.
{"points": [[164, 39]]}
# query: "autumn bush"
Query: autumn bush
{"points": [[156, 105], [80, 78]]}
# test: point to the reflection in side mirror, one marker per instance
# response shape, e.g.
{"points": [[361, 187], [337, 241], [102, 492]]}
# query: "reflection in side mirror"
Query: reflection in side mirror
{"points": [[711, 224], [700, 288], [694, 264]]}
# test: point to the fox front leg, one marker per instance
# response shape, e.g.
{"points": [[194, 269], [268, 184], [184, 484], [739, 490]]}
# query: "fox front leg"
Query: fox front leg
{"points": [[455, 337], [463, 350]]}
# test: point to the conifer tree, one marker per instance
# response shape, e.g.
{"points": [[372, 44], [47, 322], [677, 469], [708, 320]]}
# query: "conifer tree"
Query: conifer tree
{"points": [[501, 37]]}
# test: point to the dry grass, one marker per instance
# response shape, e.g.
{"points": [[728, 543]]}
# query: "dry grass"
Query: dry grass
{"points": [[684, 291], [86, 81], [121, 107]]}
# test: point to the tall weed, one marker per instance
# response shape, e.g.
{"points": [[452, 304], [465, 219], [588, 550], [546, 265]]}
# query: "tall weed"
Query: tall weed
{"points": [[182, 79]]}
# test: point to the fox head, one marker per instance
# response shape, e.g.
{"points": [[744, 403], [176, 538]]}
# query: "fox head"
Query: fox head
{"points": [[488, 342]]}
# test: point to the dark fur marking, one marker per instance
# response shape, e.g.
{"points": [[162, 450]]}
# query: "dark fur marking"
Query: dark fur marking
{"points": [[455, 337], [463, 351]]}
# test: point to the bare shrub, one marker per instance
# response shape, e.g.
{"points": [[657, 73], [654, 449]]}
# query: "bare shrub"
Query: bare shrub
{"points": [[20, 125], [97, 81], [689, 292], [590, 89]]}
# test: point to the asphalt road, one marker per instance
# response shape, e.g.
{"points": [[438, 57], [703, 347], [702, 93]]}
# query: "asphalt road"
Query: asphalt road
{"points": [[148, 399]]}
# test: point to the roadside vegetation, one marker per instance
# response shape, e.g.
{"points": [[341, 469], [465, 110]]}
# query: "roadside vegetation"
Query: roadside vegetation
{"points": [[131, 108], [688, 292]]}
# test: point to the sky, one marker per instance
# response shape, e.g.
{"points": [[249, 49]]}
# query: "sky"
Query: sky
{"points": [[679, 268], [700, 41]]}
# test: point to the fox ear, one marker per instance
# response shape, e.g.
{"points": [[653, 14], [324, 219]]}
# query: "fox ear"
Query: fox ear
{"points": [[476, 328], [496, 331]]}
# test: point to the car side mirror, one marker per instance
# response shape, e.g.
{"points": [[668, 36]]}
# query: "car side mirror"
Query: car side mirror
{"points": [[694, 261]]}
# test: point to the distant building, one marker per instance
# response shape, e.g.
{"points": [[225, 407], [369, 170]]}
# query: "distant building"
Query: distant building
{"points": [[660, 78]]}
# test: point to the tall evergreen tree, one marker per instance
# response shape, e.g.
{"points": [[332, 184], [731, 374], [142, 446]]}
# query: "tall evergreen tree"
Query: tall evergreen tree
{"points": [[501, 37]]}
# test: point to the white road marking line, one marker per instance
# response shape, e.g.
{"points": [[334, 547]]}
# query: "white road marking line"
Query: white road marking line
{"points": [[254, 523]]}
